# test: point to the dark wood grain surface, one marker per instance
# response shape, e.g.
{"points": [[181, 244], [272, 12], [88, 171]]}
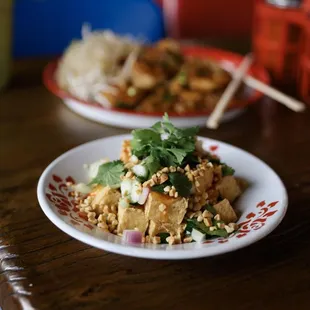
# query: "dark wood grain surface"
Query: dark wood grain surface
{"points": [[43, 268]]}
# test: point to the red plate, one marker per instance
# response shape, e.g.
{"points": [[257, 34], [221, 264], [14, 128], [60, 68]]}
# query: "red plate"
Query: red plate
{"points": [[226, 59]]}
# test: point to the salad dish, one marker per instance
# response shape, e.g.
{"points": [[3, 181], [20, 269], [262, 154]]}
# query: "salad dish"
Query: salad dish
{"points": [[162, 193], [164, 189]]}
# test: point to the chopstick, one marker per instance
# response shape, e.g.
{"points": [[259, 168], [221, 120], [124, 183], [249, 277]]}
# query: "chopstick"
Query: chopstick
{"points": [[239, 75], [271, 92], [216, 115]]}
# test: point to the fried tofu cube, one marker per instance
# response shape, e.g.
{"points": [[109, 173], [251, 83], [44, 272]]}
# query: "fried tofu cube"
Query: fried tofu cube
{"points": [[226, 212], [164, 209], [243, 184], [105, 195], [213, 195], [131, 218], [203, 180], [156, 228], [217, 170], [125, 151], [229, 188]]}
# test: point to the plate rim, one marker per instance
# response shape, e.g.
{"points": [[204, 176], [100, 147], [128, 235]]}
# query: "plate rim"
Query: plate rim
{"points": [[51, 85], [148, 253]]}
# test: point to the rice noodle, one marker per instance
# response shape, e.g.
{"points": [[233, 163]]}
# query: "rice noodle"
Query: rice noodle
{"points": [[91, 65]]}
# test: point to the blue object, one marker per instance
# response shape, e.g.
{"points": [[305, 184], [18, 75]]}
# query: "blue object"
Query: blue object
{"points": [[46, 27]]}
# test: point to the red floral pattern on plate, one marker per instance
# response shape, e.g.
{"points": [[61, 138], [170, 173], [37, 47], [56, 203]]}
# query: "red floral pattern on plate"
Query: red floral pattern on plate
{"points": [[59, 195], [213, 148], [254, 221]]}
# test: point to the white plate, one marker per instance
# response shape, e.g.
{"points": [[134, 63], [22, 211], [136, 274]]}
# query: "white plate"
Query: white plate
{"points": [[262, 206]]}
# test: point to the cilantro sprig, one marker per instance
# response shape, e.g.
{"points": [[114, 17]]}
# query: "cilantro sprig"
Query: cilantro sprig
{"points": [[181, 183], [109, 174], [165, 144], [163, 237]]}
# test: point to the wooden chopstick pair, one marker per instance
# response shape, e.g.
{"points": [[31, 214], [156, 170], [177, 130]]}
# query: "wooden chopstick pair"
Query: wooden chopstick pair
{"points": [[239, 77]]}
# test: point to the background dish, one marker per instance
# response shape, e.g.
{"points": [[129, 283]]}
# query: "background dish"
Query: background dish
{"points": [[131, 119]]}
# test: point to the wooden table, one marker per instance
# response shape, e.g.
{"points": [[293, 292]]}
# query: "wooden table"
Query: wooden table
{"points": [[43, 268]]}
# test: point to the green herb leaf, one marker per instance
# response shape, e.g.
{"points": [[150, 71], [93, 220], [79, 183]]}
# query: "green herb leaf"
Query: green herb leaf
{"points": [[191, 131], [157, 127], [179, 155], [140, 179], [146, 136], [167, 126], [143, 140], [214, 160], [165, 158], [227, 170], [187, 144], [191, 160], [210, 209], [174, 150], [190, 225], [163, 237], [218, 232], [181, 183], [182, 78], [159, 188], [193, 223], [166, 118], [140, 150], [152, 164], [109, 174], [188, 133]]}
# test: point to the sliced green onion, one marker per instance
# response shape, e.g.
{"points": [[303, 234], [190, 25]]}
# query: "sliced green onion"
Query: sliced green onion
{"points": [[182, 78], [131, 91]]}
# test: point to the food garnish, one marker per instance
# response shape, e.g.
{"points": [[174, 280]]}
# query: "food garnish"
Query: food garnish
{"points": [[166, 188]]}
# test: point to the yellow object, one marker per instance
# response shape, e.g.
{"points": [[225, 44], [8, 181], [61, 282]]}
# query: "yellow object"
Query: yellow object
{"points": [[5, 40]]}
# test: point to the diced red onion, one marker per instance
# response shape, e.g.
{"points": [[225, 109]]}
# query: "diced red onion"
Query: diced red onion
{"points": [[143, 196], [132, 236]]}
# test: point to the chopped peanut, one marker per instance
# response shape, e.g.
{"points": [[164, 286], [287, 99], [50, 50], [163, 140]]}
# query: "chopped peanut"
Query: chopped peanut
{"points": [[207, 221]]}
